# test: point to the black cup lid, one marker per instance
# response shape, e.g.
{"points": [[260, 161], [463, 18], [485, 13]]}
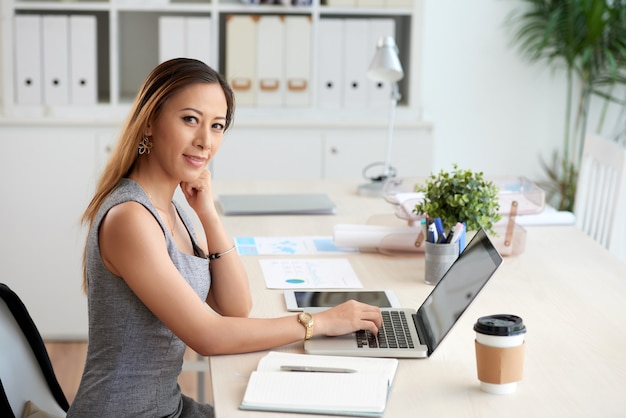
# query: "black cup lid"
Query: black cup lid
{"points": [[500, 325]]}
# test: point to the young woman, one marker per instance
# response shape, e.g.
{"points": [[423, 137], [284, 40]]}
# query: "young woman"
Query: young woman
{"points": [[149, 277]]}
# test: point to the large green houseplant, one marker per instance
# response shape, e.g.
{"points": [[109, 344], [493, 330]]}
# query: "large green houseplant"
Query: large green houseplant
{"points": [[460, 195], [588, 38]]}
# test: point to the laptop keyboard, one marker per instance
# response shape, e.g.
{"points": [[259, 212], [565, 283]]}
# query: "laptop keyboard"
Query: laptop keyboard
{"points": [[394, 333]]}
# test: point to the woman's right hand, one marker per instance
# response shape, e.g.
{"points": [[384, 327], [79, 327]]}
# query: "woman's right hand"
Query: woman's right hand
{"points": [[348, 317]]}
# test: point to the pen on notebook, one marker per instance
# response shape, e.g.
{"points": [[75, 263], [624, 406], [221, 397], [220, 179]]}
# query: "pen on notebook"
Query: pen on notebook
{"points": [[292, 368]]}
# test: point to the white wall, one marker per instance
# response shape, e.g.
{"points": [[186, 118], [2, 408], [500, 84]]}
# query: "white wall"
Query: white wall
{"points": [[491, 109]]}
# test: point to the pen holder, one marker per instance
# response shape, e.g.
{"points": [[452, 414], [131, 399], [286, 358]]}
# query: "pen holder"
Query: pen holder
{"points": [[439, 258]]}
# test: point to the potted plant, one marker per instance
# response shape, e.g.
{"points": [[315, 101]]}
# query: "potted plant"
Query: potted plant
{"points": [[588, 39], [461, 195]]}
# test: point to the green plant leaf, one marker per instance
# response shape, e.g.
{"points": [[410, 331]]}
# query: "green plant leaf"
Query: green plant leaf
{"points": [[589, 37], [460, 195]]}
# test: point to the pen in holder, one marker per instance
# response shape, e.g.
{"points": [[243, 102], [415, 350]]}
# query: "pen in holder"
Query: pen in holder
{"points": [[439, 257]]}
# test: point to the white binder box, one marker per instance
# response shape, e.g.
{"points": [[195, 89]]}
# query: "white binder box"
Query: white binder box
{"points": [[330, 63], [357, 61], [56, 73], [378, 92], [181, 36], [270, 61], [171, 37], [241, 57], [28, 60], [198, 38], [298, 60], [83, 58]]}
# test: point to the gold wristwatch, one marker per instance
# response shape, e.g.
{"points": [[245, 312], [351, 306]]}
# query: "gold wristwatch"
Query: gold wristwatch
{"points": [[306, 319]]}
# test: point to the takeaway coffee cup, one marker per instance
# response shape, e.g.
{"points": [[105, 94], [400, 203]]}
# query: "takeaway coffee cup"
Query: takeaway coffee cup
{"points": [[499, 352]]}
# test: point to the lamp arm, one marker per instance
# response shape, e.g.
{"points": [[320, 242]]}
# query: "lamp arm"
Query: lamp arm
{"points": [[395, 96]]}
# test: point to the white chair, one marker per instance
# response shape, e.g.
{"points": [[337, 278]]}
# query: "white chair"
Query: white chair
{"points": [[600, 205], [26, 373]]}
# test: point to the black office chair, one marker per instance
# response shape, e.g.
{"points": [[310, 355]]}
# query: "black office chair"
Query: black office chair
{"points": [[26, 373]]}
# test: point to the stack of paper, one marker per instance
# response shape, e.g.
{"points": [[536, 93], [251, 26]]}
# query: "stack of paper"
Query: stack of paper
{"points": [[362, 392]]}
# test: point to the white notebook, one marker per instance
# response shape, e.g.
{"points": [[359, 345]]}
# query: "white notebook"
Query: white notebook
{"points": [[361, 393]]}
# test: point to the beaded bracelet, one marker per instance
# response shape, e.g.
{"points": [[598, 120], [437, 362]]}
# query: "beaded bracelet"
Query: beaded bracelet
{"points": [[215, 256]]}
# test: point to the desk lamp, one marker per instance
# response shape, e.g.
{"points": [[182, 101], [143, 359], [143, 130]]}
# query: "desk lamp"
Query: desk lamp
{"points": [[385, 67]]}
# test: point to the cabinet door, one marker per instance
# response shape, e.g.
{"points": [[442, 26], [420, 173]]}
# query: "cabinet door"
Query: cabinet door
{"points": [[269, 154], [46, 180], [349, 151]]}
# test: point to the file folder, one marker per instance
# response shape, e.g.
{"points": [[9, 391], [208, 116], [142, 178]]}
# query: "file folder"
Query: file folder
{"points": [[171, 37], [83, 60], [298, 60], [28, 60], [330, 63], [270, 61], [241, 57], [198, 39], [56, 73], [357, 61], [276, 204], [379, 92]]}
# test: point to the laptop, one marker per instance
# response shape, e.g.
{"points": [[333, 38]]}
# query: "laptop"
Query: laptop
{"points": [[276, 204], [427, 327]]}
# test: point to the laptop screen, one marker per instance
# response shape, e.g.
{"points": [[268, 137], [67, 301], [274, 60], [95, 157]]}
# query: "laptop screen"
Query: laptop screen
{"points": [[457, 289]]}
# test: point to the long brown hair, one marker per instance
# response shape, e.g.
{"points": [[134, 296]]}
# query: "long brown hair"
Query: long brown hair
{"points": [[163, 82]]}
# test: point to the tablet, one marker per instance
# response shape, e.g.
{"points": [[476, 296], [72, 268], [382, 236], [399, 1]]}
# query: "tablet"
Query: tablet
{"points": [[298, 300]]}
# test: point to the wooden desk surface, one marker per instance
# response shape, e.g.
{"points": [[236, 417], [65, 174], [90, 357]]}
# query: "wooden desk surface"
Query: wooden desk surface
{"points": [[570, 292]]}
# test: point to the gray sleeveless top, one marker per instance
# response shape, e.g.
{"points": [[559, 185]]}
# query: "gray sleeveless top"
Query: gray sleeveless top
{"points": [[133, 360]]}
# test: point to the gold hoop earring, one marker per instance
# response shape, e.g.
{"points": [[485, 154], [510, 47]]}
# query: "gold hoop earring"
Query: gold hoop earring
{"points": [[145, 145]]}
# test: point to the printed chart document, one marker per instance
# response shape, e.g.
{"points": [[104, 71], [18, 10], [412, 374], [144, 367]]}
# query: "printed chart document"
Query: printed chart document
{"points": [[314, 273], [289, 245], [362, 392]]}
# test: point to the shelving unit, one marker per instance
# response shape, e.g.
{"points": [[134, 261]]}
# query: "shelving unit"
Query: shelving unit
{"points": [[51, 156], [127, 45]]}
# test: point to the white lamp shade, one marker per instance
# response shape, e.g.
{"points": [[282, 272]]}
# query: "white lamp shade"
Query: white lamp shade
{"points": [[386, 64]]}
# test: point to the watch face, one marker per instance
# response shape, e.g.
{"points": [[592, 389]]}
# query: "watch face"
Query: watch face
{"points": [[305, 317]]}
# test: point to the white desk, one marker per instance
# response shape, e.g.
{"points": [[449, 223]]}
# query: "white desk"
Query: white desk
{"points": [[570, 292]]}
